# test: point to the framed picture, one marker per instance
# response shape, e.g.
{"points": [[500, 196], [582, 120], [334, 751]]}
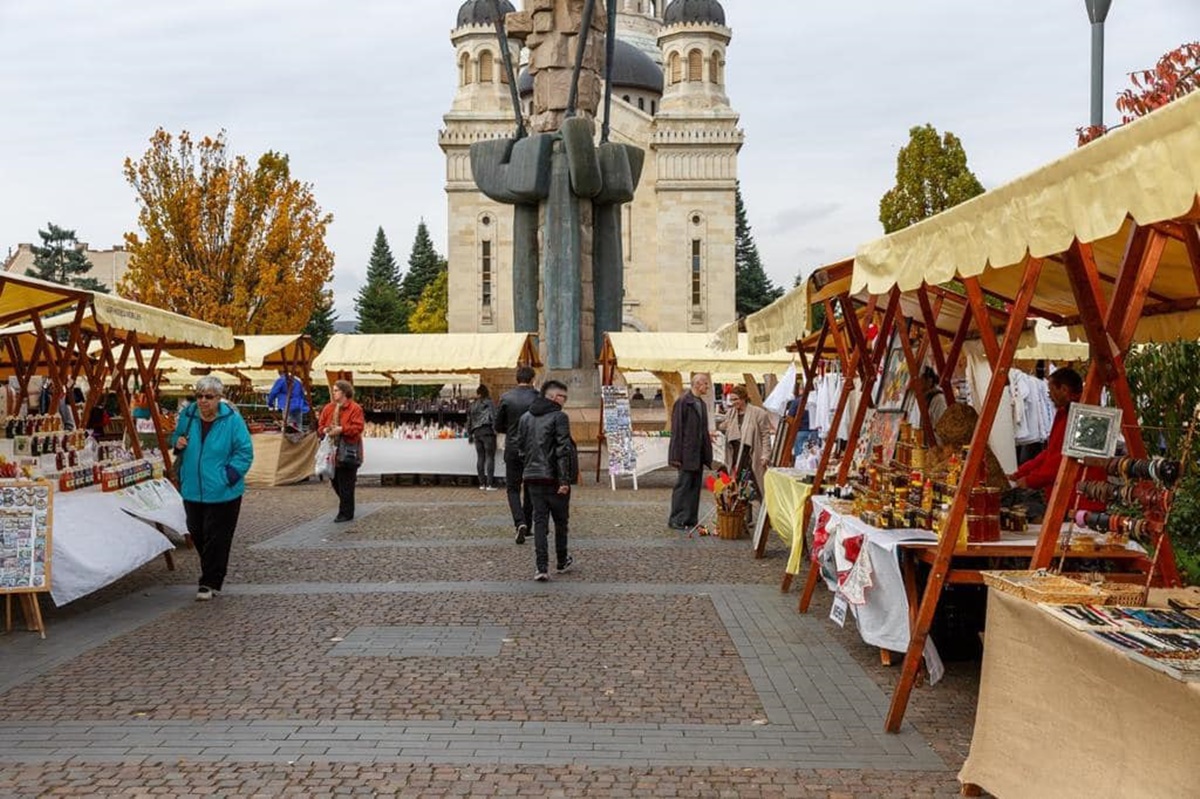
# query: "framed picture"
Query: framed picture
{"points": [[1092, 431], [884, 431], [892, 383]]}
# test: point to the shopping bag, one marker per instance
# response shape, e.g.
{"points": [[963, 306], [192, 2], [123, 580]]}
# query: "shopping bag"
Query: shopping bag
{"points": [[323, 463]]}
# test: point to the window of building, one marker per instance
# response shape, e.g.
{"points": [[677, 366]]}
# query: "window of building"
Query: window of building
{"points": [[714, 68], [695, 71], [696, 269], [464, 70], [485, 272], [626, 98], [485, 67], [653, 107], [641, 103], [675, 68]]}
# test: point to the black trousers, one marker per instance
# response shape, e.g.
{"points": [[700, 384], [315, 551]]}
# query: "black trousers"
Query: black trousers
{"points": [[520, 505], [547, 503], [485, 459], [685, 498], [343, 482], [211, 526]]}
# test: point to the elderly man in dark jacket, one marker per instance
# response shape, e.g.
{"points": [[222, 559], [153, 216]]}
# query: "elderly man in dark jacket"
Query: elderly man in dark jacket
{"points": [[513, 405], [551, 464], [690, 452]]}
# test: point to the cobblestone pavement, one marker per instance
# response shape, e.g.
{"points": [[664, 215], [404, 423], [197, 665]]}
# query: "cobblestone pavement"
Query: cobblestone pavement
{"points": [[409, 653]]}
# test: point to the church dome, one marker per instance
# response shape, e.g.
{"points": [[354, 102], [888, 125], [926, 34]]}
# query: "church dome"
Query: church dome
{"points": [[479, 12], [632, 69], [694, 11]]}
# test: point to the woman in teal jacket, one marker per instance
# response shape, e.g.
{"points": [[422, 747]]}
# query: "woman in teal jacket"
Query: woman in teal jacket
{"points": [[213, 452]]}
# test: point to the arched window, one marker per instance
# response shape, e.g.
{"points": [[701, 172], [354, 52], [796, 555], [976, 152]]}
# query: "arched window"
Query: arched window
{"points": [[714, 68], [485, 273], [675, 68], [695, 70], [626, 98], [653, 108], [485, 66], [641, 103], [464, 69]]}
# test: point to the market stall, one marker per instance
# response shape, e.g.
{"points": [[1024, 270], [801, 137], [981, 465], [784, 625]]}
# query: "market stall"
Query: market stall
{"points": [[280, 458], [1103, 241], [96, 491], [424, 435], [670, 357]]}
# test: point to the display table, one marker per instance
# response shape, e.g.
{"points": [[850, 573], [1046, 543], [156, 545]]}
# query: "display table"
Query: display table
{"points": [[1062, 714], [280, 461], [417, 456], [100, 537], [784, 496]]}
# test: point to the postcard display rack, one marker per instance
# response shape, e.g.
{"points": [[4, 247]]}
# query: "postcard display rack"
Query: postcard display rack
{"points": [[26, 510], [618, 435]]}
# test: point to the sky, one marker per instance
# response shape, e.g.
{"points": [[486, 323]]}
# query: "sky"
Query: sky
{"points": [[353, 91]]}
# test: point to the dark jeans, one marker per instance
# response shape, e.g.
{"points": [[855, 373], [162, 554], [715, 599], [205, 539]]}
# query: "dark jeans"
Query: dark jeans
{"points": [[211, 526], [521, 506], [547, 502], [685, 499], [485, 459], [344, 480]]}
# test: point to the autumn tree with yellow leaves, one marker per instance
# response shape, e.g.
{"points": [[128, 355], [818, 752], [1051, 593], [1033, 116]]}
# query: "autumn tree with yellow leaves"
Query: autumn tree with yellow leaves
{"points": [[224, 241]]}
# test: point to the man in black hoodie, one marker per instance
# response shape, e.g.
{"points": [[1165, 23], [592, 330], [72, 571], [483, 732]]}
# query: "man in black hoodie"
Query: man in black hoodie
{"points": [[513, 405], [551, 464]]}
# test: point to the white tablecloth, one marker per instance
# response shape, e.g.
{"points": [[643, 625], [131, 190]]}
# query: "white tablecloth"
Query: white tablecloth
{"points": [[99, 537], [417, 456]]}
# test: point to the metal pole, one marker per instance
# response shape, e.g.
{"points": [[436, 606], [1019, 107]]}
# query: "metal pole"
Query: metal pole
{"points": [[1097, 12]]}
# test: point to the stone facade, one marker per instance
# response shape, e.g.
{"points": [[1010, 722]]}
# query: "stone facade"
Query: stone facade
{"points": [[679, 229]]}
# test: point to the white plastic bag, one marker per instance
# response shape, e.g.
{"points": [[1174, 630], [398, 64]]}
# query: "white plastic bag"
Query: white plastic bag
{"points": [[323, 463], [778, 399]]}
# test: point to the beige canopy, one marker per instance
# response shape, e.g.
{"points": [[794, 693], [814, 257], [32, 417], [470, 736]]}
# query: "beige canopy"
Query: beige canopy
{"points": [[434, 355], [1147, 172], [688, 352]]}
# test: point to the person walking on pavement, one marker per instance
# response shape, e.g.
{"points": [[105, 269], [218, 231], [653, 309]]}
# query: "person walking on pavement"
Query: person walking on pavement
{"points": [[690, 452], [344, 418], [213, 452], [551, 464], [481, 431], [513, 405]]}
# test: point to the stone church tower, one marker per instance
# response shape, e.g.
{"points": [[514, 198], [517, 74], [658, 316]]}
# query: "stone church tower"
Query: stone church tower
{"points": [[668, 98]]}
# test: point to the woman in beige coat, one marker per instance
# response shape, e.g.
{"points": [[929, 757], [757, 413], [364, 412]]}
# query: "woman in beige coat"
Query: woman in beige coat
{"points": [[748, 430]]}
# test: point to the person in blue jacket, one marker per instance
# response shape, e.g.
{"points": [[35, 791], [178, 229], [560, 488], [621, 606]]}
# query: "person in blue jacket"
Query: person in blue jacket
{"points": [[213, 452], [290, 391]]}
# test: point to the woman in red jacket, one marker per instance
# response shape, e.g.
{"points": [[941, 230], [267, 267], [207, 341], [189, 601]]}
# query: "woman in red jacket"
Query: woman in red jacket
{"points": [[343, 418]]}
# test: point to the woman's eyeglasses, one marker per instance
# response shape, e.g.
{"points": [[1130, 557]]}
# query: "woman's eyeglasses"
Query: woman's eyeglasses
{"points": [[206, 396]]}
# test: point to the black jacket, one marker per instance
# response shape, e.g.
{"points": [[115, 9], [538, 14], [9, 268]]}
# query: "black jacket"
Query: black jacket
{"points": [[480, 418], [545, 444], [513, 405], [691, 448]]}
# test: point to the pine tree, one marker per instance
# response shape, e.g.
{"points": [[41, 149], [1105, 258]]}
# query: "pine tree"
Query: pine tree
{"points": [[754, 289], [424, 265], [61, 260], [931, 176], [379, 304], [320, 324]]}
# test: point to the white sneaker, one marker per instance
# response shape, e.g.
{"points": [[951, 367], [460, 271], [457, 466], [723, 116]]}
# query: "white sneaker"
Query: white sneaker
{"points": [[541, 577], [204, 594]]}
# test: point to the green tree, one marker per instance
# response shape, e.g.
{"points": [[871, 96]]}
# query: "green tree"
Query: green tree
{"points": [[320, 324], [753, 289], [379, 304], [431, 311], [424, 265], [931, 176], [60, 259]]}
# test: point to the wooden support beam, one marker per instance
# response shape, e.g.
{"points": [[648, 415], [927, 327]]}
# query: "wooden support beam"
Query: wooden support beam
{"points": [[956, 347], [1191, 240], [930, 314], [983, 319], [958, 508], [882, 339], [914, 375], [836, 330]]}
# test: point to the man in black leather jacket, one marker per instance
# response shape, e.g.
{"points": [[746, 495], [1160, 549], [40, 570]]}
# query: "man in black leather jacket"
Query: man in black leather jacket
{"points": [[513, 405], [551, 465]]}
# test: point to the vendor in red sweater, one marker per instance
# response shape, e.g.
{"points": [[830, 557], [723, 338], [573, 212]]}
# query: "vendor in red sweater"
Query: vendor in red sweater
{"points": [[1066, 386]]}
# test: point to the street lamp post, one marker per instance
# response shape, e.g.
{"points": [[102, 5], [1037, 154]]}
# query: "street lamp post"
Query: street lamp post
{"points": [[1097, 12]]}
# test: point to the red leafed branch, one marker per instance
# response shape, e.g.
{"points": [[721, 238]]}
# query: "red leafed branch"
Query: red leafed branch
{"points": [[1176, 74]]}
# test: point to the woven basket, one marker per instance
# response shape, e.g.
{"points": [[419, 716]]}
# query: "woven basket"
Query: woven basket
{"points": [[1124, 594], [1040, 587], [731, 525]]}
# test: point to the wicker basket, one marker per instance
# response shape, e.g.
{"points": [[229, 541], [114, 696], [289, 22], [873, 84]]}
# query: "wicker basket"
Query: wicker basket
{"points": [[1042, 587], [731, 525], [1128, 595]]}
